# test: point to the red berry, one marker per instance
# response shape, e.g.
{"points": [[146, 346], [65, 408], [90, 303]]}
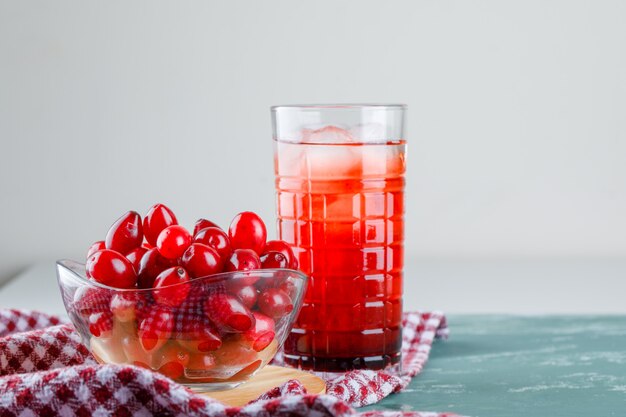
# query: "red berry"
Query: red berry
{"points": [[247, 231], [203, 224], [88, 300], [261, 335], [284, 248], [215, 238], [201, 260], [126, 233], [172, 370], [228, 312], [247, 294], [275, 303], [171, 360], [156, 328], [289, 288], [173, 241], [194, 331], [151, 265], [158, 218], [176, 280], [100, 324], [111, 268], [135, 255], [272, 260], [95, 247], [243, 260]]}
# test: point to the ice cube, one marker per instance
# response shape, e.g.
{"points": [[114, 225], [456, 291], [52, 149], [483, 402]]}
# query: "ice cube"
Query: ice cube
{"points": [[327, 134], [332, 162], [383, 160], [369, 132], [374, 160]]}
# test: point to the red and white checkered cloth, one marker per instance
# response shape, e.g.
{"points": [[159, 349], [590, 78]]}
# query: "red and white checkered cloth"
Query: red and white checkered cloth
{"points": [[46, 370]]}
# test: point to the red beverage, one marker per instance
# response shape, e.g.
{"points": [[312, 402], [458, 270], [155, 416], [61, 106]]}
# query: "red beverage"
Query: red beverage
{"points": [[341, 204]]}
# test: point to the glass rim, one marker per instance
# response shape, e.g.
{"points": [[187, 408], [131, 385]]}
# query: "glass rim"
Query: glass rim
{"points": [[340, 106]]}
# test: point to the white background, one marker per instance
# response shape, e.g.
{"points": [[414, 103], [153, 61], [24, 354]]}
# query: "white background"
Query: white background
{"points": [[517, 123]]}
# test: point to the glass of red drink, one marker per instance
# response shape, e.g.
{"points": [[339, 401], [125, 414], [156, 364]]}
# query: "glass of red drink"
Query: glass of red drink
{"points": [[340, 203]]}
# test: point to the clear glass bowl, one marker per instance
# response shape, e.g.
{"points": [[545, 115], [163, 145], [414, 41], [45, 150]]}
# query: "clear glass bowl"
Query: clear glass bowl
{"points": [[217, 338]]}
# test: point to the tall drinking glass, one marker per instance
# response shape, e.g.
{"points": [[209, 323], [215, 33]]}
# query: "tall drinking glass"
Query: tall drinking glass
{"points": [[340, 203]]}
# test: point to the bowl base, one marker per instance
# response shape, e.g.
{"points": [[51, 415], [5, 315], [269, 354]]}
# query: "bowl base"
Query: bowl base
{"points": [[213, 386]]}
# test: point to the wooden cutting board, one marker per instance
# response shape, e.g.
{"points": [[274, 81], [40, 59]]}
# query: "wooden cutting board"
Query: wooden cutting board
{"points": [[266, 379]]}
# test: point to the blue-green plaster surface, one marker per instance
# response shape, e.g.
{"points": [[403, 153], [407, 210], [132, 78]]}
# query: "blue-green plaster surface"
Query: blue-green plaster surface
{"points": [[501, 366]]}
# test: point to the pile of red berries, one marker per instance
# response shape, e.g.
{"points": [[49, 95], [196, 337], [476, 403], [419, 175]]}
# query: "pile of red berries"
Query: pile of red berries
{"points": [[185, 325], [159, 252]]}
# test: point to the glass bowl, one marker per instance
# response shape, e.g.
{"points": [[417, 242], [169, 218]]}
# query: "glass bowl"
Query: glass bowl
{"points": [[212, 333]]}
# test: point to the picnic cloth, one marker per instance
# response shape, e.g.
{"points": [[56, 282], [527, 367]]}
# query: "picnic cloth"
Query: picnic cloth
{"points": [[46, 370]]}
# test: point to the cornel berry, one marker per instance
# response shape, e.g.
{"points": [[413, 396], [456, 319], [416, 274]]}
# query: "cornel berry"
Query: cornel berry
{"points": [[111, 268], [247, 231], [173, 241], [172, 295], [215, 238], [201, 260], [126, 233], [158, 218]]}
